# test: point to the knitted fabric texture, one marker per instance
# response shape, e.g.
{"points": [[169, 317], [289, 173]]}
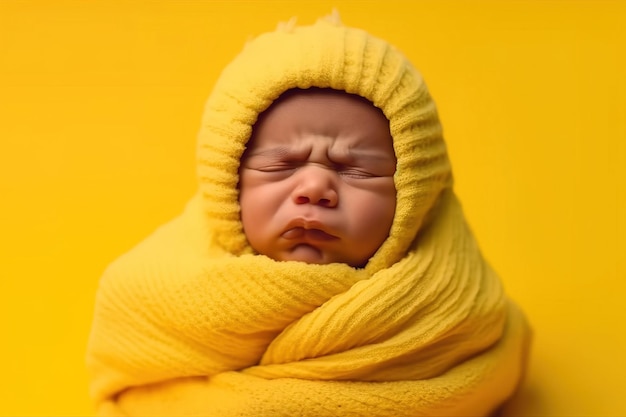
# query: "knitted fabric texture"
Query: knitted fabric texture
{"points": [[193, 322]]}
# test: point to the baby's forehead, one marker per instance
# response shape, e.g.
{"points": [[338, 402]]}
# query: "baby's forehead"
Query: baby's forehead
{"points": [[348, 127], [330, 97], [325, 113]]}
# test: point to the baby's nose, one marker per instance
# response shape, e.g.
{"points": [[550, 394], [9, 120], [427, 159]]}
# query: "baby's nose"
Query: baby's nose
{"points": [[316, 186]]}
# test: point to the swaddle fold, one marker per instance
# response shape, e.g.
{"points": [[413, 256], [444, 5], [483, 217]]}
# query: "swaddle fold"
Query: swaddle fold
{"points": [[193, 322]]}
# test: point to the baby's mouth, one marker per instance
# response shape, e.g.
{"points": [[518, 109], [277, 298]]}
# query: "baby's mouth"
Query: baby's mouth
{"points": [[307, 234]]}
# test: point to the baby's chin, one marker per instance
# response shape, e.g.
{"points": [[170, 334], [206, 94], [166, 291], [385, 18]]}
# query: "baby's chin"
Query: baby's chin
{"points": [[312, 255], [307, 253]]}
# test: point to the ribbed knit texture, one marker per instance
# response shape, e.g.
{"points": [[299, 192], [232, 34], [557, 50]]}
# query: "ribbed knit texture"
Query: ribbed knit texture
{"points": [[192, 322]]}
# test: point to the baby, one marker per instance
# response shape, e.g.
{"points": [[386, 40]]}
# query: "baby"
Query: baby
{"points": [[324, 267], [316, 181]]}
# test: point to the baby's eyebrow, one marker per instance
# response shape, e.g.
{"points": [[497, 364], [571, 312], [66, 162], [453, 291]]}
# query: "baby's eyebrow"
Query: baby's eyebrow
{"points": [[275, 151], [355, 155], [361, 154]]}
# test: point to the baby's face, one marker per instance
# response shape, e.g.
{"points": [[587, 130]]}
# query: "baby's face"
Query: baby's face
{"points": [[316, 182]]}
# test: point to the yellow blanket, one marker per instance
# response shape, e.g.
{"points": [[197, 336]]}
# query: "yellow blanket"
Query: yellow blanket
{"points": [[192, 322]]}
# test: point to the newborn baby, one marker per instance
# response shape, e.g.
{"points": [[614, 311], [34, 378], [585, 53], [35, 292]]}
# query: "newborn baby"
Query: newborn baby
{"points": [[324, 267]]}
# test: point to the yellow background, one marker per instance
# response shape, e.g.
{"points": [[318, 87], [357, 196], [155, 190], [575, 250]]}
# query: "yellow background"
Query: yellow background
{"points": [[100, 103]]}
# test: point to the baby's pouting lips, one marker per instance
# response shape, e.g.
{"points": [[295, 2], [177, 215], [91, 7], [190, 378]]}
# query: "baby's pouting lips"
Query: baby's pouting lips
{"points": [[307, 234]]}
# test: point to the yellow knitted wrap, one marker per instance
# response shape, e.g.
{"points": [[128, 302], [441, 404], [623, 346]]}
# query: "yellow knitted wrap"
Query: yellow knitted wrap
{"points": [[192, 322]]}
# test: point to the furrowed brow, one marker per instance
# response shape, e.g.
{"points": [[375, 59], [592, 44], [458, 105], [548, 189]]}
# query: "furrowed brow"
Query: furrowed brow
{"points": [[363, 155], [278, 152]]}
